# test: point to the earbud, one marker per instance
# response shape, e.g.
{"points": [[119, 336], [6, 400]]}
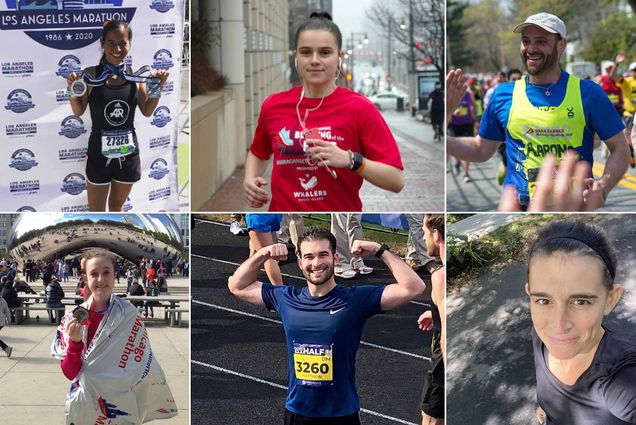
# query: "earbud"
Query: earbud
{"points": [[340, 62], [296, 63]]}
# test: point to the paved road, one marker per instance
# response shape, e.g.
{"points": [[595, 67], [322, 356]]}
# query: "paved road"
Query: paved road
{"points": [[483, 193], [423, 161], [490, 373], [235, 344]]}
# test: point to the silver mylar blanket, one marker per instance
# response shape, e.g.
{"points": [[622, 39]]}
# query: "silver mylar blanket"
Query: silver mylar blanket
{"points": [[120, 381]]}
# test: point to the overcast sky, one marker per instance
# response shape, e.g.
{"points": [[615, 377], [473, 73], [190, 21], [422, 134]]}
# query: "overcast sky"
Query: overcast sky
{"points": [[350, 16]]}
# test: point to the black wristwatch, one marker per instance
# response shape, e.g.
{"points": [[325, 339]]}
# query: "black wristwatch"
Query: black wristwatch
{"points": [[383, 247], [357, 161]]}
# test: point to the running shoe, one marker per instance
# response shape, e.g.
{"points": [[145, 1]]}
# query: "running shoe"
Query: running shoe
{"points": [[358, 265], [467, 178], [345, 273], [8, 351], [236, 228]]}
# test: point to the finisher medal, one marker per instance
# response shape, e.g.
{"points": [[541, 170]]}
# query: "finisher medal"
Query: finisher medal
{"points": [[81, 314], [78, 88]]}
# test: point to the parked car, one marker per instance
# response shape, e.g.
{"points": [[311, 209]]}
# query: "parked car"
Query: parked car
{"points": [[387, 101]]}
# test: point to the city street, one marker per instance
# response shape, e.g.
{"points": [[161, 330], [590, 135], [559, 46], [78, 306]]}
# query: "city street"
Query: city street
{"points": [[423, 161], [482, 194], [423, 164]]}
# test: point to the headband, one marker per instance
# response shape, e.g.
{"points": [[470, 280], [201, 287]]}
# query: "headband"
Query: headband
{"points": [[585, 240]]}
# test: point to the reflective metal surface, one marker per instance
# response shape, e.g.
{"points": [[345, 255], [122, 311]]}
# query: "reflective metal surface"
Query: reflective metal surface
{"points": [[46, 236]]}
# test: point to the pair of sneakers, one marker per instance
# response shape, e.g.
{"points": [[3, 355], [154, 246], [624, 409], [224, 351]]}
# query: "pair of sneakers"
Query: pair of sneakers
{"points": [[8, 351], [357, 267]]}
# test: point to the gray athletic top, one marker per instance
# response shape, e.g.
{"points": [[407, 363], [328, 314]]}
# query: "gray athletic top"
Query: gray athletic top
{"points": [[605, 394]]}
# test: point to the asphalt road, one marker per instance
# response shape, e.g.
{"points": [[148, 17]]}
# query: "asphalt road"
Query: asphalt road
{"points": [[490, 373], [483, 193], [239, 357]]}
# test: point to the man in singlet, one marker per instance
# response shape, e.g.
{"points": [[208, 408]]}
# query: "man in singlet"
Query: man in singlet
{"points": [[547, 113], [434, 320]]}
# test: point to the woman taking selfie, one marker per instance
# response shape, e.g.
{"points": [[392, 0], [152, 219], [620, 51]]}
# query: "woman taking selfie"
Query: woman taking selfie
{"points": [[585, 373], [104, 350], [326, 140]]}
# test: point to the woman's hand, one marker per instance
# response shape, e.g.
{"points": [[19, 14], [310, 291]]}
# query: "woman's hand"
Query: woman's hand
{"points": [[327, 154], [255, 195], [73, 76], [162, 74], [74, 330]]}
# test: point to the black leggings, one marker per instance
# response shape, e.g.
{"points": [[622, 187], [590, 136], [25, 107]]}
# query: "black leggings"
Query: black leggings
{"points": [[296, 419], [2, 344]]}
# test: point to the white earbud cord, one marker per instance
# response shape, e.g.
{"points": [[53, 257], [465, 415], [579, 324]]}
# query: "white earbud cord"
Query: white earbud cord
{"points": [[304, 128]]}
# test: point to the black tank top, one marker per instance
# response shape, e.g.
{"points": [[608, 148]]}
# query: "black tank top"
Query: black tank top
{"points": [[112, 108]]}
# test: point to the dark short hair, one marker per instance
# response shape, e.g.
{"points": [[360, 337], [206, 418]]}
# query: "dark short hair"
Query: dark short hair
{"points": [[317, 234], [435, 222], [320, 21], [577, 238], [514, 71]]}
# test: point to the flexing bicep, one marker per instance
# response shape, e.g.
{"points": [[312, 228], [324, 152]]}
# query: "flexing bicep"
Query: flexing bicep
{"points": [[251, 293]]}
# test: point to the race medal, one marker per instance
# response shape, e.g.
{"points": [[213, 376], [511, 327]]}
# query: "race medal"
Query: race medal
{"points": [[81, 314], [313, 364], [118, 143], [78, 88], [153, 87]]}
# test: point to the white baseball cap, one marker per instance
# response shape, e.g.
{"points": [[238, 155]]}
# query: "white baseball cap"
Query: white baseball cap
{"points": [[632, 66], [547, 21]]}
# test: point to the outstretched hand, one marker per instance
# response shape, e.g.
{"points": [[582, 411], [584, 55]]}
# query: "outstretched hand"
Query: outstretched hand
{"points": [[568, 189], [456, 86]]}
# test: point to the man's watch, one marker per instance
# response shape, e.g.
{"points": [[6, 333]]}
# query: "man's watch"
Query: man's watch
{"points": [[383, 247]]}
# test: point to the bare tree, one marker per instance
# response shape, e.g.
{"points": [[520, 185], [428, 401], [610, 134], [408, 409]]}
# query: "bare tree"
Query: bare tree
{"points": [[418, 25]]}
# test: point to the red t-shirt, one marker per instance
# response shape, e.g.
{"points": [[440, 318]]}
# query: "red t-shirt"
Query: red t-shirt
{"points": [[613, 91], [346, 118]]}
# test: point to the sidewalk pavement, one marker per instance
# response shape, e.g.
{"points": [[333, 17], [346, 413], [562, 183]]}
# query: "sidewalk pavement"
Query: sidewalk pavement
{"points": [[35, 388], [481, 224]]}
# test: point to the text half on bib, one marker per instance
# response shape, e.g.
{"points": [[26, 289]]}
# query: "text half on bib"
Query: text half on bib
{"points": [[536, 133]]}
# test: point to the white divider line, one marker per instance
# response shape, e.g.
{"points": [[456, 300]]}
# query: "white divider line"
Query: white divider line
{"points": [[283, 387], [267, 319], [284, 274]]}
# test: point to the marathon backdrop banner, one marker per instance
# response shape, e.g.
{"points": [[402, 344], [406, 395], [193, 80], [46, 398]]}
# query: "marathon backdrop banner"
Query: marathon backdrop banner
{"points": [[43, 145]]}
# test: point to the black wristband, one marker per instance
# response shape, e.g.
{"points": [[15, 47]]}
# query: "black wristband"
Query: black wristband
{"points": [[383, 247], [358, 160]]}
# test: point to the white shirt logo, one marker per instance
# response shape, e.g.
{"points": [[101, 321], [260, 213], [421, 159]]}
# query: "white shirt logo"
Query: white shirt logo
{"points": [[332, 311]]}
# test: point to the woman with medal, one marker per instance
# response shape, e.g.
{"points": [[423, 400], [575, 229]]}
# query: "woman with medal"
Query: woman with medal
{"points": [[325, 139], [104, 350], [113, 92]]}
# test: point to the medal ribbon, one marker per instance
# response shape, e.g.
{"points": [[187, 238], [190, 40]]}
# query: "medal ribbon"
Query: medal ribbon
{"points": [[120, 72]]}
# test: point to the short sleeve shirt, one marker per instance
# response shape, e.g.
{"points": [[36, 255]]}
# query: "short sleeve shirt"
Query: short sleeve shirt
{"points": [[323, 335], [345, 118], [604, 394]]}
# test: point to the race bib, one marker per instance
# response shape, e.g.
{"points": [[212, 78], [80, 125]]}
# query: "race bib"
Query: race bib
{"points": [[118, 143], [313, 364]]}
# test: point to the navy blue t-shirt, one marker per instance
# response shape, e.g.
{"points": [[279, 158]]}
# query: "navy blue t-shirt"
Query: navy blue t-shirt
{"points": [[605, 394], [323, 335]]}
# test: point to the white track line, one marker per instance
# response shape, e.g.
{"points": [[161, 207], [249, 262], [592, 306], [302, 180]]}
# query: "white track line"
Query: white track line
{"points": [[283, 387], [283, 274], [267, 319]]}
